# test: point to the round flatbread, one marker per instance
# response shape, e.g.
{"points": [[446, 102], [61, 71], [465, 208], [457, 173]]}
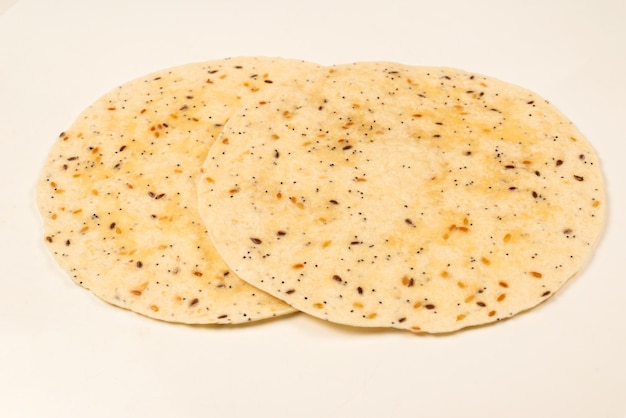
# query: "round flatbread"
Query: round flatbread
{"points": [[385, 195], [118, 192]]}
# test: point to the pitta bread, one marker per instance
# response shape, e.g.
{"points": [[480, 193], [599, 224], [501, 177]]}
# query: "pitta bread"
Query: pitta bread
{"points": [[385, 195], [118, 192]]}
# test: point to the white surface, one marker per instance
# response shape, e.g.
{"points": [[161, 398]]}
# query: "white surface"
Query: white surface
{"points": [[65, 353]]}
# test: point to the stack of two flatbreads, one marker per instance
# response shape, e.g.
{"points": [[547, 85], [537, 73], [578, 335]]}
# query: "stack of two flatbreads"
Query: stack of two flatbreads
{"points": [[370, 194]]}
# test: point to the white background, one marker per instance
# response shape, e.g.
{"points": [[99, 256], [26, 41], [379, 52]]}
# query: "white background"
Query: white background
{"points": [[64, 353]]}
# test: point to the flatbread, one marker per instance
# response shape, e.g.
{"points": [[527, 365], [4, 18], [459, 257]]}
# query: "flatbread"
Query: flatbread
{"points": [[118, 192], [386, 195]]}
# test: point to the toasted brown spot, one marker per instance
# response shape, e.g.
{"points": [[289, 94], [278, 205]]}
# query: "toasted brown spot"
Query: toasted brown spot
{"points": [[408, 281], [536, 274], [138, 291]]}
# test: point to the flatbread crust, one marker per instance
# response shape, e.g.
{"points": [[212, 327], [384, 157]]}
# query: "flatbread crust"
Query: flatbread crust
{"points": [[118, 192], [423, 198]]}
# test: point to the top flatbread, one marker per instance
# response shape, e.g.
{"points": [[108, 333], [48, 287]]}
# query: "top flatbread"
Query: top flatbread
{"points": [[118, 192], [429, 199]]}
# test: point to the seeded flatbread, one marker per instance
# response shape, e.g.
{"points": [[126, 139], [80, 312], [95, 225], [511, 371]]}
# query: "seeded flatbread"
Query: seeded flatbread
{"points": [[385, 195], [118, 192]]}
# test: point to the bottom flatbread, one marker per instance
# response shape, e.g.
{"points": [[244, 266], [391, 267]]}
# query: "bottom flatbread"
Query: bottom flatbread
{"points": [[118, 192], [384, 195]]}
